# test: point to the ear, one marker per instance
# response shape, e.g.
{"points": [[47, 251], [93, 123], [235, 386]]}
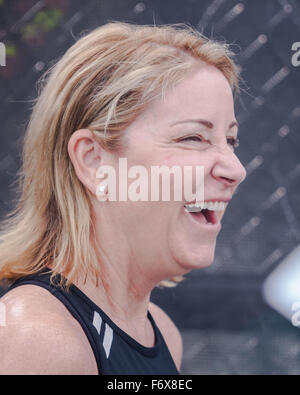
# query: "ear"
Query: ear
{"points": [[86, 156]]}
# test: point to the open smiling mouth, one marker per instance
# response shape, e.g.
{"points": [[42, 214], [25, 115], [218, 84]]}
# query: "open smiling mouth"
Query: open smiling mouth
{"points": [[205, 212]]}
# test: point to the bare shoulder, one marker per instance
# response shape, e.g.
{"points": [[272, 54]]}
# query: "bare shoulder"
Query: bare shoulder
{"points": [[169, 331], [40, 336]]}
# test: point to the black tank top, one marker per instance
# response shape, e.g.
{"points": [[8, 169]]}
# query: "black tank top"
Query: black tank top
{"points": [[115, 351]]}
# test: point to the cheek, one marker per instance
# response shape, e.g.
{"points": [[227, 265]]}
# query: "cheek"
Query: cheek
{"points": [[191, 158], [194, 165], [191, 169]]}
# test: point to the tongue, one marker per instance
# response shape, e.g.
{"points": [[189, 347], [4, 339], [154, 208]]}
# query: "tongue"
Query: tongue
{"points": [[200, 217]]}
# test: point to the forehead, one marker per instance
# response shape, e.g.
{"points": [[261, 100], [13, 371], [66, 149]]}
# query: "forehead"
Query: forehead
{"points": [[205, 92]]}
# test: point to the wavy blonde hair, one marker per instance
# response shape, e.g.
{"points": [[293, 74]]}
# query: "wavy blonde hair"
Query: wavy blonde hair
{"points": [[102, 83]]}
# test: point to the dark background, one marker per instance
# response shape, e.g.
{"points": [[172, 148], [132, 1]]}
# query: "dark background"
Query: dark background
{"points": [[226, 326]]}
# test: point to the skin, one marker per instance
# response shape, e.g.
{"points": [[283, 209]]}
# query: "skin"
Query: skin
{"points": [[141, 243], [156, 240]]}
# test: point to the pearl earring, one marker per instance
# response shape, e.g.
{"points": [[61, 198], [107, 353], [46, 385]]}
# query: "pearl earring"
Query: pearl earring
{"points": [[102, 192]]}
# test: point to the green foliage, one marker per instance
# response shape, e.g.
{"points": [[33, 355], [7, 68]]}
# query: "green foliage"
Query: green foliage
{"points": [[44, 21], [11, 50]]}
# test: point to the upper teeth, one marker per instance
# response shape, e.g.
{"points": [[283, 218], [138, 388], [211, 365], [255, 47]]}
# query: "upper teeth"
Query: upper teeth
{"points": [[213, 206]]}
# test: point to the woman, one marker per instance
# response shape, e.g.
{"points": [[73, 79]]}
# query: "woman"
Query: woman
{"points": [[157, 96]]}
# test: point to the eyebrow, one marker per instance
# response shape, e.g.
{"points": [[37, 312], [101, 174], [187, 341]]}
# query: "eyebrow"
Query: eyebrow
{"points": [[204, 122]]}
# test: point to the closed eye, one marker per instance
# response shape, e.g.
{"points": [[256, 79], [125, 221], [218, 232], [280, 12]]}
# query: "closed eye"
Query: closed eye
{"points": [[193, 138], [234, 142]]}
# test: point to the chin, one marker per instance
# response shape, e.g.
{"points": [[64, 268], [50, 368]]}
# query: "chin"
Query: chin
{"points": [[201, 257]]}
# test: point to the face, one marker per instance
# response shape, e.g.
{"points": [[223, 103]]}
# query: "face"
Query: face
{"points": [[194, 125]]}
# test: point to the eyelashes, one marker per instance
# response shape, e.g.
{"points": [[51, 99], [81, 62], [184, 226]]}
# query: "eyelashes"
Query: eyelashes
{"points": [[234, 142]]}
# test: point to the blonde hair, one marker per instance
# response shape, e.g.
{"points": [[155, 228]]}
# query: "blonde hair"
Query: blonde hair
{"points": [[102, 83]]}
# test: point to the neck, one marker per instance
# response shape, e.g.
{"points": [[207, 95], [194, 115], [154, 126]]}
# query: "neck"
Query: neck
{"points": [[123, 294]]}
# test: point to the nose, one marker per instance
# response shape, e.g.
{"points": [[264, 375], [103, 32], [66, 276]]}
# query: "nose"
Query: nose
{"points": [[228, 168]]}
